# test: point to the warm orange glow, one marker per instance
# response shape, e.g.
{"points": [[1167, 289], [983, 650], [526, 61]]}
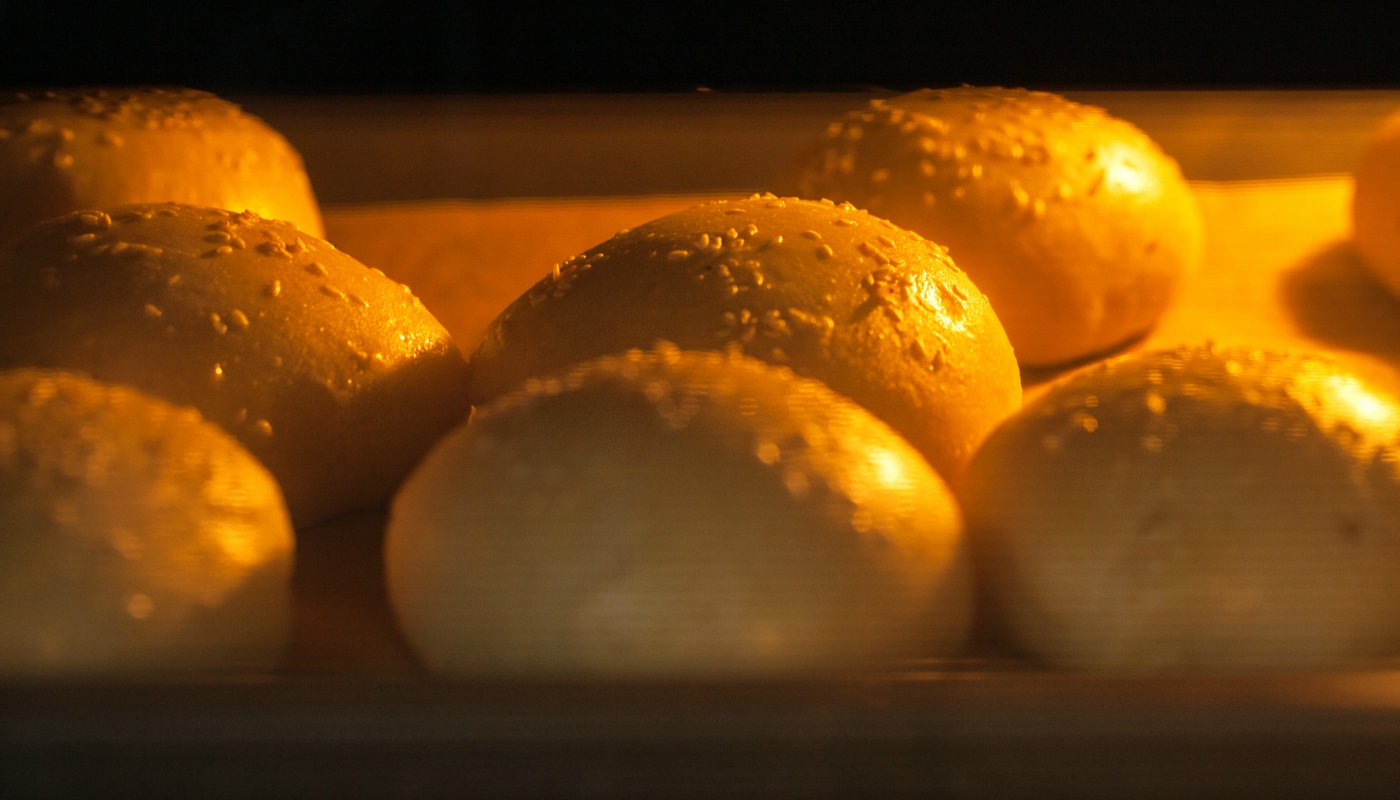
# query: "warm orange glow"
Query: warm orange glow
{"points": [[1122, 174], [889, 467], [1358, 403]]}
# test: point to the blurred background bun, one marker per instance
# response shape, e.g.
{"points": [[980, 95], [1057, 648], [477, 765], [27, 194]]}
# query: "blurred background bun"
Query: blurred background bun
{"points": [[671, 514], [1376, 204], [76, 149], [878, 314], [1074, 223], [135, 537], [333, 375], [1196, 508]]}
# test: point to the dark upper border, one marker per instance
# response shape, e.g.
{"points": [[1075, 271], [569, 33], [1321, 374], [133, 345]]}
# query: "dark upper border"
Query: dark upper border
{"points": [[434, 46]]}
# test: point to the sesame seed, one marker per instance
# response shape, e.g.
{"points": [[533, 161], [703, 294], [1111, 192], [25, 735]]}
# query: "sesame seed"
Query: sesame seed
{"points": [[825, 251]]}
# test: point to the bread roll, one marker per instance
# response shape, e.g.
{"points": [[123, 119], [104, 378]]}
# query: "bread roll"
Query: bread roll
{"points": [[93, 148], [1376, 205], [1074, 223], [134, 536], [331, 374], [672, 514], [1197, 508], [877, 313]]}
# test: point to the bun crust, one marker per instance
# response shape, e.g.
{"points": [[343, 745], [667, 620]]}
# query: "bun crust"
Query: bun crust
{"points": [[72, 150], [1376, 205], [136, 537], [333, 375], [1073, 223], [672, 514], [879, 314], [1195, 508]]}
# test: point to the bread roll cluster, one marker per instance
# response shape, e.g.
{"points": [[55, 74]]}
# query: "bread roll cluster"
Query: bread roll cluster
{"points": [[773, 436], [137, 536], [334, 376]]}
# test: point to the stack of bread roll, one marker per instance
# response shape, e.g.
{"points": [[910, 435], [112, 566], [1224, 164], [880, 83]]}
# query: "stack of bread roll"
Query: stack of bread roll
{"points": [[187, 380], [772, 436]]}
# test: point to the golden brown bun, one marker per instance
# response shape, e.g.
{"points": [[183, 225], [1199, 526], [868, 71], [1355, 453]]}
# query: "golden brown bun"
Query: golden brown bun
{"points": [[78, 149], [1196, 508], [1376, 206], [331, 374], [675, 514], [1074, 223], [877, 313], [134, 536]]}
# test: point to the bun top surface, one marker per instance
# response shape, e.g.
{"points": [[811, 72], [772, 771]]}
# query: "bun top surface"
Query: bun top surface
{"points": [[879, 314], [62, 151], [1205, 397]]}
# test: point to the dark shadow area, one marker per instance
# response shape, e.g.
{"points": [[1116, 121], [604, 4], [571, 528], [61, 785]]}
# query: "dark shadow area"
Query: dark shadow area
{"points": [[1033, 375], [341, 619], [1334, 299]]}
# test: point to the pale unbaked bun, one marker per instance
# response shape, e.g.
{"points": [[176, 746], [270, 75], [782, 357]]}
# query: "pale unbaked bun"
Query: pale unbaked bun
{"points": [[879, 314], [78, 149], [675, 514], [333, 375], [1376, 205], [1197, 508], [1073, 223], [134, 536]]}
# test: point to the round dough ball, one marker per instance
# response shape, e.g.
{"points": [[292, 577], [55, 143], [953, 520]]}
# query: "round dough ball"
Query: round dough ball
{"points": [[333, 375], [672, 514], [1196, 508], [1376, 205], [78, 149], [134, 536], [879, 314], [1074, 223]]}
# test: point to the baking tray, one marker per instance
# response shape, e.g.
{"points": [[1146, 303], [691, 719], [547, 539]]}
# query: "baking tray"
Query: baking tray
{"points": [[353, 714]]}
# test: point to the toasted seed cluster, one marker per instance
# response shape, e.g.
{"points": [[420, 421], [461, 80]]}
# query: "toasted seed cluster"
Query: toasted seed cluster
{"points": [[1073, 222], [93, 148], [1195, 508], [879, 314], [332, 374], [670, 513], [135, 536]]}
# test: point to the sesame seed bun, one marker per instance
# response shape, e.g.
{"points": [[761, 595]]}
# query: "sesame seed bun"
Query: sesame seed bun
{"points": [[671, 514], [333, 375], [1376, 204], [136, 537], [879, 314], [1073, 222], [1196, 508], [94, 148]]}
